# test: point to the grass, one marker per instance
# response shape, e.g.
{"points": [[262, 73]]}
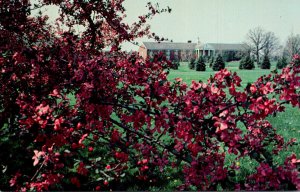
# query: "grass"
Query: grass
{"points": [[188, 75]]}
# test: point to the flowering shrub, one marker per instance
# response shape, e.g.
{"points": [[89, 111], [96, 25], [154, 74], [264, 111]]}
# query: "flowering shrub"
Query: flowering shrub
{"points": [[129, 124]]}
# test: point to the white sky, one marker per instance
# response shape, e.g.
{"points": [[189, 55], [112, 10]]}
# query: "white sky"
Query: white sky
{"points": [[220, 21], [216, 21]]}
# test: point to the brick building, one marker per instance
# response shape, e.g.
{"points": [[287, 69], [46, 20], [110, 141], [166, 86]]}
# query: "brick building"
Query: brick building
{"points": [[186, 51], [173, 51]]}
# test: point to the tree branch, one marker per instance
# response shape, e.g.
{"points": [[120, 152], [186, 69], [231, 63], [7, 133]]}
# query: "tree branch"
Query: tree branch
{"points": [[150, 140]]}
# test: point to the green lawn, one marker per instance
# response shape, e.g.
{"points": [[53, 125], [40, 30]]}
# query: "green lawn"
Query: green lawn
{"points": [[287, 123], [188, 75]]}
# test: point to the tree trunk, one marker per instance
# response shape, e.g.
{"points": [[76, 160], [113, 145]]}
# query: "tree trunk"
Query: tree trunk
{"points": [[257, 57]]}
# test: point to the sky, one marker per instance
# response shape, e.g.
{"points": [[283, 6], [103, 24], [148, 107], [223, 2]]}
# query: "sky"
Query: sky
{"points": [[215, 21], [219, 21]]}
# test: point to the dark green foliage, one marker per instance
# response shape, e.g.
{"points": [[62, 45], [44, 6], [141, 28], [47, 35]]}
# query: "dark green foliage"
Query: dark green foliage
{"points": [[218, 64], [266, 63], [246, 63], [231, 56], [192, 63], [282, 62], [228, 56], [206, 58], [200, 65], [12, 150], [175, 64]]}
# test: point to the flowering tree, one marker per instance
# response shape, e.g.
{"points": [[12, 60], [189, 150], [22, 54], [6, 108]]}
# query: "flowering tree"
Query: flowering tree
{"points": [[129, 123]]}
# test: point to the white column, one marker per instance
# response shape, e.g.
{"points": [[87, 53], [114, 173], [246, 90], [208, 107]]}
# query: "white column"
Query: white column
{"points": [[168, 54]]}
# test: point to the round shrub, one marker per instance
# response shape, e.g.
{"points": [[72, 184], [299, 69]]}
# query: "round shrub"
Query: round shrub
{"points": [[175, 64], [242, 63], [281, 63], [200, 65], [192, 63], [246, 63], [218, 64], [266, 63], [211, 62]]}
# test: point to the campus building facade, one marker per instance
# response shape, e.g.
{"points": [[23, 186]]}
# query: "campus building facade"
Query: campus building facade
{"points": [[214, 49], [173, 51], [189, 50]]}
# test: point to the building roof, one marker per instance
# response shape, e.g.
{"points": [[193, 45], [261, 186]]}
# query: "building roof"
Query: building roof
{"points": [[198, 46], [224, 46], [169, 46]]}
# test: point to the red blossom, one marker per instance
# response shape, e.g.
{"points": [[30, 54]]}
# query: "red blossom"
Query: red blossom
{"points": [[75, 181], [81, 169]]}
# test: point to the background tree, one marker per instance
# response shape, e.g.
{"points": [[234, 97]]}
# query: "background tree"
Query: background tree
{"points": [[292, 45], [266, 63], [218, 64], [256, 40], [200, 64], [271, 43]]}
